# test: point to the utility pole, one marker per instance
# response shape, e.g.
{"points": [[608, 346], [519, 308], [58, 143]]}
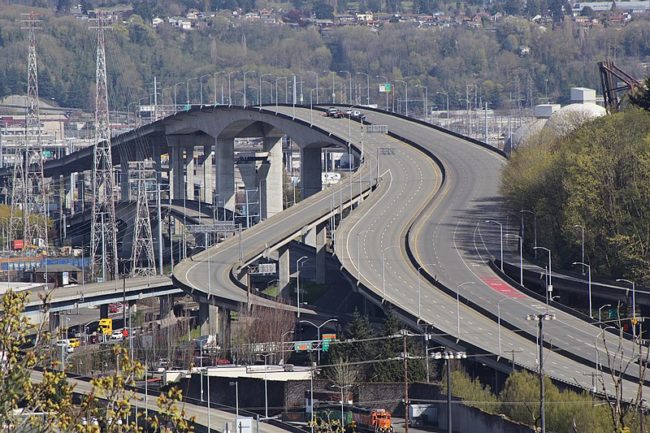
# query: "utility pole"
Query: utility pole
{"points": [[406, 384], [28, 188], [142, 233], [103, 227]]}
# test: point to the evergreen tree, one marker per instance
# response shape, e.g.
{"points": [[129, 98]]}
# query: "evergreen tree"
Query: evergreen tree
{"points": [[641, 97]]}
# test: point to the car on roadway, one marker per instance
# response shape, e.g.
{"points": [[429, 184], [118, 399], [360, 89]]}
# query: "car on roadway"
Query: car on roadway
{"points": [[358, 115], [65, 344], [333, 112], [117, 335]]}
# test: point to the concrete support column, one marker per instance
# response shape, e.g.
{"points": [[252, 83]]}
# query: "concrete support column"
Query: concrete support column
{"points": [[103, 311], [80, 185], [248, 173], [166, 305], [189, 172], [207, 185], [310, 171], [69, 192], [225, 169], [270, 178], [321, 254], [61, 190], [224, 329], [284, 268], [176, 172], [55, 322], [208, 319]]}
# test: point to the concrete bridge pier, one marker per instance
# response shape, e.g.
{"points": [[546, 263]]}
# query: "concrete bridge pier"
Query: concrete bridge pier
{"points": [[176, 172], [103, 311], [208, 320], [55, 322], [189, 172], [248, 172], [317, 237], [321, 254], [225, 172], [310, 171], [271, 179], [207, 185], [81, 189], [284, 268], [166, 305]]}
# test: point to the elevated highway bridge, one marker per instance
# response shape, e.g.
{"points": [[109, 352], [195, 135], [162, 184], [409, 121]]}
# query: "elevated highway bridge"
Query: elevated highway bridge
{"points": [[416, 238]]}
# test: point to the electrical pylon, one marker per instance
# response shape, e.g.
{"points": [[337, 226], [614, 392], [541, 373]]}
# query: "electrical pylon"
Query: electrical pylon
{"points": [[29, 193], [142, 257], [103, 236]]}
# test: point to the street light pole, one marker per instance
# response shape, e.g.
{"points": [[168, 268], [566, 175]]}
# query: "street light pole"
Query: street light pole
{"points": [[500, 238], [367, 87], [633, 301], [426, 98], [448, 356], [342, 387], [247, 72], [584, 265], [187, 90], [406, 86], [350, 94], [521, 257], [549, 289], [318, 332], [385, 82], [201, 88], [540, 318], [458, 306], [299, 262], [600, 310]]}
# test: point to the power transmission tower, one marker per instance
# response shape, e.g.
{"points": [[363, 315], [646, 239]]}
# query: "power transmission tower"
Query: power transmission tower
{"points": [[28, 187], [103, 230], [143, 259]]}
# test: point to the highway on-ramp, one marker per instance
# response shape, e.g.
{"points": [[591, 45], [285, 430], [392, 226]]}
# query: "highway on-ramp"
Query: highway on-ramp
{"points": [[439, 219]]}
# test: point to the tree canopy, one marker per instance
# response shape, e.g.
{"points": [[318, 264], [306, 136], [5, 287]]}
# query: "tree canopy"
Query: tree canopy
{"points": [[597, 177], [442, 59]]}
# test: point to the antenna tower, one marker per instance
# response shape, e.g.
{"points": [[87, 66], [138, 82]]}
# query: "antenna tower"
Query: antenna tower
{"points": [[103, 230], [143, 259], [28, 187]]}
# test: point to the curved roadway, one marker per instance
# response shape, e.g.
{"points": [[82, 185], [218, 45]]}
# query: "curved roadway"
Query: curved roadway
{"points": [[442, 223]]}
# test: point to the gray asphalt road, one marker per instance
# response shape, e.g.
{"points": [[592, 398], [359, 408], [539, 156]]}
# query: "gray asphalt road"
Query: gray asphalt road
{"points": [[449, 240], [444, 235], [217, 418]]}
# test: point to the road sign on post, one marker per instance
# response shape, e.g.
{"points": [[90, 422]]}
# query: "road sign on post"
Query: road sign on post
{"points": [[326, 341], [385, 88], [244, 425]]}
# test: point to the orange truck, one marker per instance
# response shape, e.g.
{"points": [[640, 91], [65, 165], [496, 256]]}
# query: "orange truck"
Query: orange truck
{"points": [[375, 420]]}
